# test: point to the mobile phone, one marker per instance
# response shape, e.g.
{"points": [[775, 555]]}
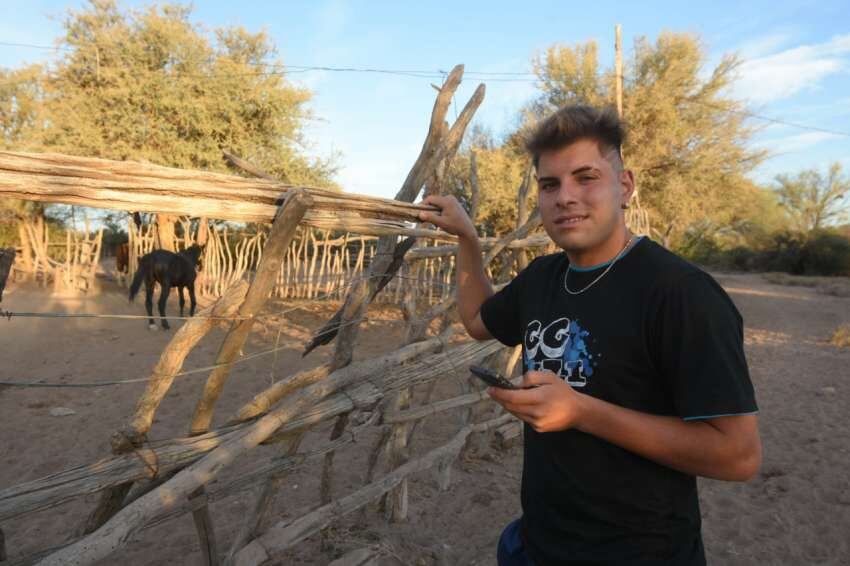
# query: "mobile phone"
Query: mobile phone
{"points": [[491, 378]]}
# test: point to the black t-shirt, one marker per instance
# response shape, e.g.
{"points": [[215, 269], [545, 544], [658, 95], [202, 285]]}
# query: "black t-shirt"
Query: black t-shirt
{"points": [[655, 334]]}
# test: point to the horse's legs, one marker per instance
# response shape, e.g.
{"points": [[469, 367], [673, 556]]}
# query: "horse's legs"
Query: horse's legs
{"points": [[192, 301], [163, 297], [182, 298], [149, 301]]}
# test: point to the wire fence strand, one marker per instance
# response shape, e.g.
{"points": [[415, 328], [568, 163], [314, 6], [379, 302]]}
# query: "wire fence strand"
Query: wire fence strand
{"points": [[278, 346], [194, 371], [9, 314]]}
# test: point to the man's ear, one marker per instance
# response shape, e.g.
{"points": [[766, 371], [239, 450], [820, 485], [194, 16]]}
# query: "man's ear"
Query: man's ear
{"points": [[627, 185]]}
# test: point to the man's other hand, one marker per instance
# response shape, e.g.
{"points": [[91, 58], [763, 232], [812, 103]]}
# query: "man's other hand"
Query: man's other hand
{"points": [[549, 403]]}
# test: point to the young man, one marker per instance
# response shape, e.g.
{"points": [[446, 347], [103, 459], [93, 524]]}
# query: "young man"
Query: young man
{"points": [[637, 356]]}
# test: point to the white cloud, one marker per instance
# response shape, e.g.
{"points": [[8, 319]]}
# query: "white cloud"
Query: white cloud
{"points": [[796, 142], [786, 73], [764, 45]]}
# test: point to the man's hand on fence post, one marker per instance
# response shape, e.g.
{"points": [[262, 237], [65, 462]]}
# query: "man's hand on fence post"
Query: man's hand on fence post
{"points": [[452, 217]]}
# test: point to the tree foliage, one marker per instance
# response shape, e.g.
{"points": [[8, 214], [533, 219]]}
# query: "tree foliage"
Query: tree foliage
{"points": [[20, 103], [813, 200], [20, 99], [688, 140], [150, 85]]}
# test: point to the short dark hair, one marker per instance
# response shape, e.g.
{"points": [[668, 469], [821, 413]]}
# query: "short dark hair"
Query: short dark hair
{"points": [[572, 123]]}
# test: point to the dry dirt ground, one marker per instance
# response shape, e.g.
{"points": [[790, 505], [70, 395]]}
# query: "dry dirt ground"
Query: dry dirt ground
{"points": [[796, 511]]}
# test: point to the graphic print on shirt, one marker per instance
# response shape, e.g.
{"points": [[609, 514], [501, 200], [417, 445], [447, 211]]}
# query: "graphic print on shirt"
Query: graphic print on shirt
{"points": [[559, 347]]}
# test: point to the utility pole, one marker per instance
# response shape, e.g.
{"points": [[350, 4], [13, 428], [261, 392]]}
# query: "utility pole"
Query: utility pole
{"points": [[618, 68], [636, 217]]}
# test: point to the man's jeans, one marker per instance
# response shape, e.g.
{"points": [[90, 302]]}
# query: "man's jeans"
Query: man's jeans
{"points": [[511, 551]]}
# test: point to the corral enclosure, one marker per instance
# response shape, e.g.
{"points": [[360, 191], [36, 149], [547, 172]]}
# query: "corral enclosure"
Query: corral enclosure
{"points": [[364, 248]]}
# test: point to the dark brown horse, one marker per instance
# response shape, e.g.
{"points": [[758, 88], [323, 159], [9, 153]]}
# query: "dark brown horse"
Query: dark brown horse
{"points": [[169, 270]]}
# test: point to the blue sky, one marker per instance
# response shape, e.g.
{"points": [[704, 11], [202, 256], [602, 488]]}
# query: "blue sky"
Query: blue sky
{"points": [[796, 69]]}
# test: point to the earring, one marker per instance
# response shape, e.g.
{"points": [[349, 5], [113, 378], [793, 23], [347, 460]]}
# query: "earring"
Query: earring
{"points": [[624, 206]]}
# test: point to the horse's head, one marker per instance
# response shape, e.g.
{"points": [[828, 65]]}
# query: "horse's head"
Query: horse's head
{"points": [[193, 253]]}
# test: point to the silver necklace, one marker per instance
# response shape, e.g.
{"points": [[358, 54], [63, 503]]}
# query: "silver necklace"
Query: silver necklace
{"points": [[607, 269]]}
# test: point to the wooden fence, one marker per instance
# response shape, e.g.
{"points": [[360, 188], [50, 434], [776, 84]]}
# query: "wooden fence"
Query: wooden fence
{"points": [[144, 482]]}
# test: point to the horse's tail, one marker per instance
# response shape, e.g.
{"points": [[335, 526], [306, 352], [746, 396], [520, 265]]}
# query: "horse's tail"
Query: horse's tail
{"points": [[137, 279]]}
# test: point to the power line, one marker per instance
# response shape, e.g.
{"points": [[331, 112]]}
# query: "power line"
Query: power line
{"points": [[773, 120], [429, 73], [295, 71], [298, 69], [50, 47], [486, 76], [421, 73]]}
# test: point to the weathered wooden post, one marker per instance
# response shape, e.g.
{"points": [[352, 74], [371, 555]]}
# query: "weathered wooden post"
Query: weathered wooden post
{"points": [[283, 229], [440, 145], [278, 241]]}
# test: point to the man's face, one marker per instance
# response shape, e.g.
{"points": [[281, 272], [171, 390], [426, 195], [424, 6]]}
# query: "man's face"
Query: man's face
{"points": [[580, 194]]}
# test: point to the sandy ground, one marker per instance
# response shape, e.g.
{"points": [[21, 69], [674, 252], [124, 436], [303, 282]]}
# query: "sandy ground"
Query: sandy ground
{"points": [[796, 511]]}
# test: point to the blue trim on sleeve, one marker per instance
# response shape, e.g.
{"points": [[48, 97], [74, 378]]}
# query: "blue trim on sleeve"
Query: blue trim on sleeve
{"points": [[704, 417]]}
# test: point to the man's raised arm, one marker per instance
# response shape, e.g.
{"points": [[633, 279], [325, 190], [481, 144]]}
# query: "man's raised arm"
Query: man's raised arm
{"points": [[473, 287]]}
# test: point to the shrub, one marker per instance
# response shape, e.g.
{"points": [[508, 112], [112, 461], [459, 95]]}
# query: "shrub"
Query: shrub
{"points": [[742, 258], [825, 253], [783, 254]]}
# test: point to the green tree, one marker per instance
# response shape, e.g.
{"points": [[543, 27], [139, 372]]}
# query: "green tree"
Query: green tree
{"points": [[20, 109], [150, 85], [814, 200], [20, 103]]}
